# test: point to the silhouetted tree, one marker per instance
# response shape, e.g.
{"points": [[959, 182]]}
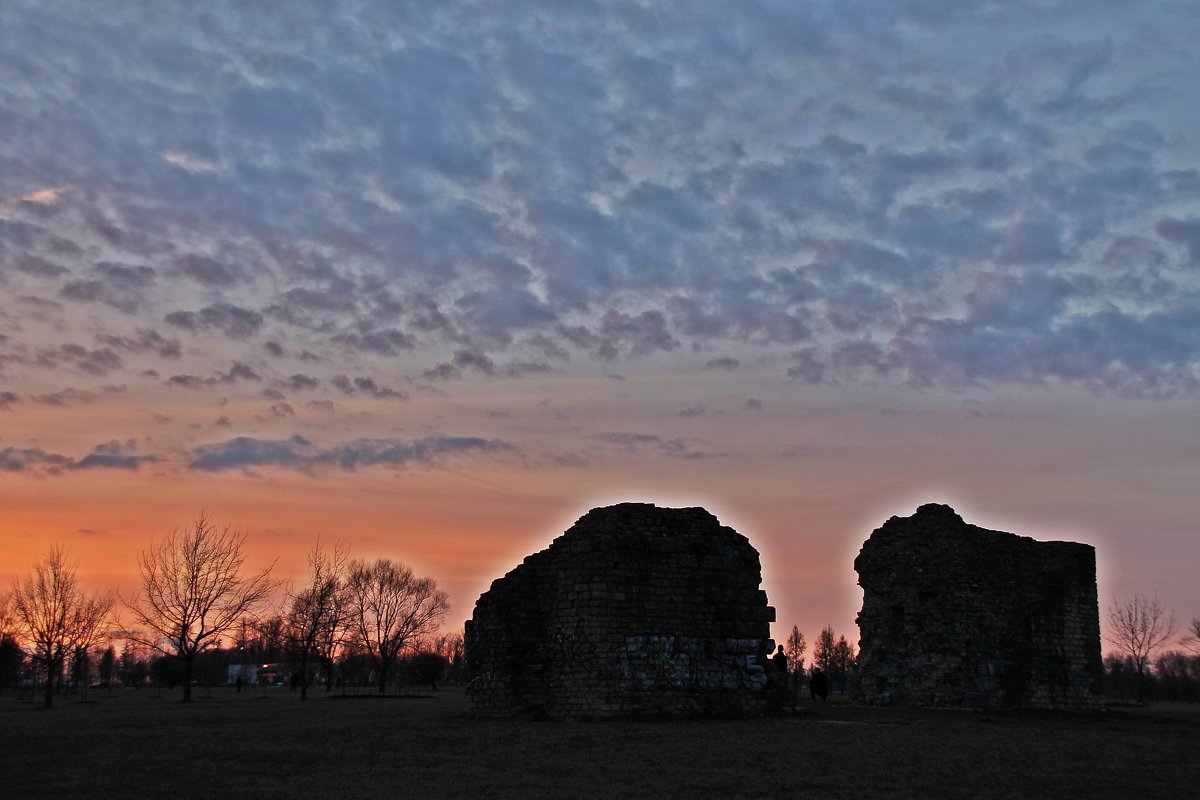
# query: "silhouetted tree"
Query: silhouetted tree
{"points": [[841, 661], [134, 665], [55, 616], [823, 649], [428, 667], [1178, 676], [1137, 628], [451, 647], [317, 609], [12, 658], [794, 649], [108, 663], [8, 616], [1192, 640], [193, 591], [389, 607]]}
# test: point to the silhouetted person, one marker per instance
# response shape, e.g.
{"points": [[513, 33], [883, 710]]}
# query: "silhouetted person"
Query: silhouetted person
{"points": [[779, 660], [239, 683], [777, 682], [818, 685], [295, 681]]}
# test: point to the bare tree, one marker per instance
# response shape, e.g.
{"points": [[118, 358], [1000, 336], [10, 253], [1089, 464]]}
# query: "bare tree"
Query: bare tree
{"points": [[193, 591], [1192, 640], [1137, 628], [8, 616], [56, 616], [317, 609], [391, 606]]}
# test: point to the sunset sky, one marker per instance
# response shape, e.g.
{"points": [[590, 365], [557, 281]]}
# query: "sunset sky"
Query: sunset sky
{"points": [[437, 278]]}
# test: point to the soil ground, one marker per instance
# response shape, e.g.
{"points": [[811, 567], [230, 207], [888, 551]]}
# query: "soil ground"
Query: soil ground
{"points": [[267, 744]]}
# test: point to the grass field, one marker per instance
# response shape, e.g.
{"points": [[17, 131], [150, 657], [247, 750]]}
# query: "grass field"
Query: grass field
{"points": [[134, 744]]}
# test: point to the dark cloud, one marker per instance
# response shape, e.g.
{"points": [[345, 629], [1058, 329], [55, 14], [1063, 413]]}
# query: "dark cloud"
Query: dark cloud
{"points": [[237, 372], [1184, 232], [15, 459], [65, 397], [299, 453], [630, 443], [114, 455], [379, 342], [301, 382], [724, 363], [110, 455], [281, 410], [36, 265], [121, 286], [367, 386], [144, 340], [639, 334], [232, 321], [7, 399], [206, 271]]}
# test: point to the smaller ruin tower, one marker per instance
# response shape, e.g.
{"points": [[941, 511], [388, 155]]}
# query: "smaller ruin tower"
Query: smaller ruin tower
{"points": [[635, 610], [957, 615]]}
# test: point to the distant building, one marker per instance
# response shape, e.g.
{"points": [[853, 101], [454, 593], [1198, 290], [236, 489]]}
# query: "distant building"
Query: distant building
{"points": [[957, 615], [271, 674]]}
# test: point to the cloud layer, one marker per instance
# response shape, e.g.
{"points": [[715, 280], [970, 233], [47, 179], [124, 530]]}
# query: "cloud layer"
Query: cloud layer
{"points": [[352, 200]]}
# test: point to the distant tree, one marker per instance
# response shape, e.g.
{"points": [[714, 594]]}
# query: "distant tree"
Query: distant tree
{"points": [[134, 665], [1192, 640], [389, 607], [8, 616], [268, 639], [428, 667], [1178, 676], [193, 592], [55, 616], [1137, 628], [317, 609], [108, 664], [823, 649], [841, 661], [12, 658], [794, 649], [451, 647]]}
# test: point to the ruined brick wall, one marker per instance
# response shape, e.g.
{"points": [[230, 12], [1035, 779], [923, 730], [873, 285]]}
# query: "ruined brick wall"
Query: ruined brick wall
{"points": [[957, 615], [634, 610]]}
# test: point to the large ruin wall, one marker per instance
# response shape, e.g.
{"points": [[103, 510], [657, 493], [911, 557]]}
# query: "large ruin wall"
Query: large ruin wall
{"points": [[956, 615], [635, 610]]}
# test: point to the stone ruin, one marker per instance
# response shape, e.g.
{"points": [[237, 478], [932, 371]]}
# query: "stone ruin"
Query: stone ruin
{"points": [[957, 615], [636, 610]]}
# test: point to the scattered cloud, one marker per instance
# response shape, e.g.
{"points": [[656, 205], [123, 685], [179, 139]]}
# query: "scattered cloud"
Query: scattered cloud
{"points": [[889, 222]]}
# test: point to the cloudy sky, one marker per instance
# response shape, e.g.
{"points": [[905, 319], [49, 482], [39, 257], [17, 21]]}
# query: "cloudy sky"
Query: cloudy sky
{"points": [[437, 278]]}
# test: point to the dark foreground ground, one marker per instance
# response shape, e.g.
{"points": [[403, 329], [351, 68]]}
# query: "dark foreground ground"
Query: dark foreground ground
{"points": [[133, 744]]}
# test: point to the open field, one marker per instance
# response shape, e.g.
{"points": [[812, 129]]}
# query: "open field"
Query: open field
{"points": [[133, 744]]}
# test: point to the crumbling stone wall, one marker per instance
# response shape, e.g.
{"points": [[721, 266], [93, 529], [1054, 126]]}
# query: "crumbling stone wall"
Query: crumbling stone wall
{"points": [[634, 610], [956, 615]]}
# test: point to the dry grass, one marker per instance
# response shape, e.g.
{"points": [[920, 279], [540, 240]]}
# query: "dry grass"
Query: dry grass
{"points": [[132, 744]]}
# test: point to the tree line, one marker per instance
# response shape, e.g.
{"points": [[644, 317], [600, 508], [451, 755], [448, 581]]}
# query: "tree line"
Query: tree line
{"points": [[195, 593], [836, 657], [1141, 668]]}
